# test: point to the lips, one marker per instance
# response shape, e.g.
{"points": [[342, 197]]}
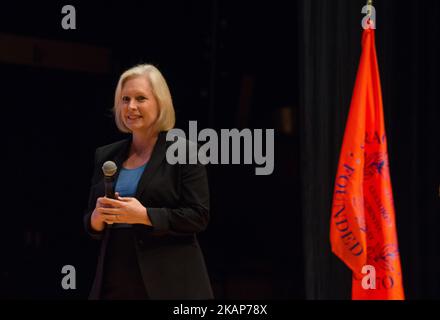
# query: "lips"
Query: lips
{"points": [[133, 117]]}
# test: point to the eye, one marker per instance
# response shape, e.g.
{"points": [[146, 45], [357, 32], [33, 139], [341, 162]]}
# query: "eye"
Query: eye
{"points": [[141, 98], [125, 99]]}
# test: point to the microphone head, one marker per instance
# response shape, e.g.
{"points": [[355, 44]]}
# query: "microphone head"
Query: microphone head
{"points": [[109, 168]]}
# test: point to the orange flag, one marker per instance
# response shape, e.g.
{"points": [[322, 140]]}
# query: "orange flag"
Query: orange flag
{"points": [[363, 230]]}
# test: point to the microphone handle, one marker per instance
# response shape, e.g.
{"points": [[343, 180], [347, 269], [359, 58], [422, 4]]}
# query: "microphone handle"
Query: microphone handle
{"points": [[109, 187]]}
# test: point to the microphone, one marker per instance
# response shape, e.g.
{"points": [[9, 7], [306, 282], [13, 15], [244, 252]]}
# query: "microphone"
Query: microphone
{"points": [[109, 168]]}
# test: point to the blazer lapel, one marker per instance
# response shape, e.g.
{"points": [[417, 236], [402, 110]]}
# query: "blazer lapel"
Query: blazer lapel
{"points": [[120, 157], [153, 164]]}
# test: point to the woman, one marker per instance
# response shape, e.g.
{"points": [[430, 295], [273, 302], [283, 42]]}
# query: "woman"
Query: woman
{"points": [[148, 239]]}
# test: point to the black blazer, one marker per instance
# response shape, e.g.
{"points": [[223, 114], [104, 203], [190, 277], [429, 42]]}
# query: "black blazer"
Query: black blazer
{"points": [[177, 200]]}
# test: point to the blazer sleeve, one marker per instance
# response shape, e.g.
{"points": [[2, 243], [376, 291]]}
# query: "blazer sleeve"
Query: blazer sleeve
{"points": [[92, 202], [192, 215]]}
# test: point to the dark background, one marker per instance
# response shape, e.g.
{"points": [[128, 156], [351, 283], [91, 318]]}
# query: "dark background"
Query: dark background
{"points": [[229, 64]]}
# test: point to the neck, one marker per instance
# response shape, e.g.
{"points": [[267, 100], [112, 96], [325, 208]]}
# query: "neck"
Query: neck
{"points": [[143, 142]]}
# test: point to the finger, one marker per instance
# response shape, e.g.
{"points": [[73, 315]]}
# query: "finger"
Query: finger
{"points": [[125, 199], [118, 196], [98, 201], [102, 202], [109, 211], [112, 218], [112, 202], [109, 216]]}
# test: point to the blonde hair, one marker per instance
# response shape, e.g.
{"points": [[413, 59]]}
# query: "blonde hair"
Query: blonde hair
{"points": [[161, 92]]}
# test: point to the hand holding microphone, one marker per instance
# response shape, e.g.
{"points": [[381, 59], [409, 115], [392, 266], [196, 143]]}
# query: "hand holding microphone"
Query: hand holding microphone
{"points": [[115, 209], [99, 219]]}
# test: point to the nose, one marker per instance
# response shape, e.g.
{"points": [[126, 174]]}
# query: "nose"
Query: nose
{"points": [[132, 105]]}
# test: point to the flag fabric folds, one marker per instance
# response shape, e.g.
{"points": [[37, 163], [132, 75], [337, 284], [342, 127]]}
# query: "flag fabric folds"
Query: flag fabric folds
{"points": [[363, 228]]}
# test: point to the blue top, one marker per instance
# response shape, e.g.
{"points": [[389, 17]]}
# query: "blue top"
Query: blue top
{"points": [[126, 185], [128, 180]]}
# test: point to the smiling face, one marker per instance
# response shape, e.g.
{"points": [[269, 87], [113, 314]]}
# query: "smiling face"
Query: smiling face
{"points": [[139, 107]]}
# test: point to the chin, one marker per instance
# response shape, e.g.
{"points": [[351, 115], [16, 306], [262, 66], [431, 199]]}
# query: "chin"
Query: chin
{"points": [[140, 128]]}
